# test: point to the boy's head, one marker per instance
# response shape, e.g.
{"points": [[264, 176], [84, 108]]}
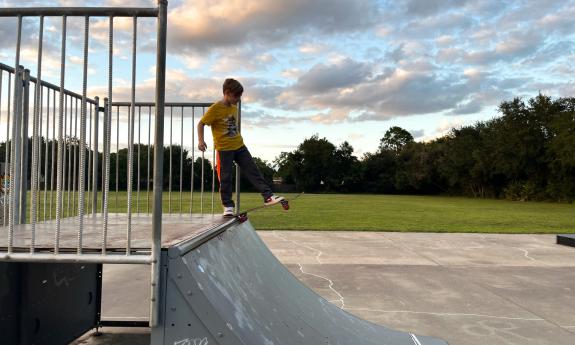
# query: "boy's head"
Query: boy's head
{"points": [[233, 90]]}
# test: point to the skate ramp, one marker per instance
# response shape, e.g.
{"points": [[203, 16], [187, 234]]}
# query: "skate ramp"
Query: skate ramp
{"points": [[228, 288]]}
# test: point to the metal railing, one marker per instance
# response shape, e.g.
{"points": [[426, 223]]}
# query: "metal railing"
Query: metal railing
{"points": [[72, 123], [44, 161], [188, 170]]}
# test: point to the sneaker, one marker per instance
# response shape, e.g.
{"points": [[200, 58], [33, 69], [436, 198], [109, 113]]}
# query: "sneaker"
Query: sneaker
{"points": [[274, 199], [229, 211]]}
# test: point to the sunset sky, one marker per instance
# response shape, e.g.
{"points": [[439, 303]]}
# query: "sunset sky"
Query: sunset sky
{"points": [[345, 70]]}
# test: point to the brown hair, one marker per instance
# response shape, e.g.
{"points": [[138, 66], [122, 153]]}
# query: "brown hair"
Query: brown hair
{"points": [[233, 86]]}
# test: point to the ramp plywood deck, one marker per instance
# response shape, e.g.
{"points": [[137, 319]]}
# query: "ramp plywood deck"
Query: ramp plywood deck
{"points": [[175, 228]]}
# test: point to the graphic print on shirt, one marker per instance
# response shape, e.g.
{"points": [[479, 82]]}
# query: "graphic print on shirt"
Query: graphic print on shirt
{"points": [[231, 126]]}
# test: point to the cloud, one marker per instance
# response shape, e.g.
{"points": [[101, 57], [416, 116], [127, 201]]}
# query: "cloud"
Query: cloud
{"points": [[441, 25], [566, 89], [180, 87], [292, 73], [322, 78], [204, 25], [330, 117], [264, 120], [552, 51], [194, 61], [430, 7], [313, 48], [329, 61], [245, 59], [445, 40], [561, 21], [417, 133], [445, 126], [397, 92]]}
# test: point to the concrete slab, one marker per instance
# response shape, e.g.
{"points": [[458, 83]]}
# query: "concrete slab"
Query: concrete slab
{"points": [[466, 288]]}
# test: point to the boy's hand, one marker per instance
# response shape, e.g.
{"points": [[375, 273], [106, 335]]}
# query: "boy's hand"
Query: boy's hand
{"points": [[202, 146]]}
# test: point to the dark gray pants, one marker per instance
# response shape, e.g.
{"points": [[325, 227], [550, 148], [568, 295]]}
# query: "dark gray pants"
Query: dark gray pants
{"points": [[248, 168]]}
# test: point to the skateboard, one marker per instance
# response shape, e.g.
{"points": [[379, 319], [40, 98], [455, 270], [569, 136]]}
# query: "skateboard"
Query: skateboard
{"points": [[243, 216]]}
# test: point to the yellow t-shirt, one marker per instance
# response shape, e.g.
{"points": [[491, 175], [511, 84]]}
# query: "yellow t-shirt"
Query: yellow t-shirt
{"points": [[224, 123]]}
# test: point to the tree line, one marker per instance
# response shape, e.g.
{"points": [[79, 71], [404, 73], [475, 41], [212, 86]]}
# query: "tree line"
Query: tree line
{"points": [[179, 168], [527, 153]]}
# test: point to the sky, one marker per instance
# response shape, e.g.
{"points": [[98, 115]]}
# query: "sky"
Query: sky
{"points": [[344, 70]]}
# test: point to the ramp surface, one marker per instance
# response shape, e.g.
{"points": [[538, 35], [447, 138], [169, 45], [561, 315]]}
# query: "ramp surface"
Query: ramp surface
{"points": [[230, 289]]}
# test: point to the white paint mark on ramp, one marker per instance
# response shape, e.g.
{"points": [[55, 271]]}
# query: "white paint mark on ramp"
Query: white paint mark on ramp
{"points": [[414, 338]]}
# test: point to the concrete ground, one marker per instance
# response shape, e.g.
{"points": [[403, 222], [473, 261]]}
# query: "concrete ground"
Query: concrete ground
{"points": [[469, 289]]}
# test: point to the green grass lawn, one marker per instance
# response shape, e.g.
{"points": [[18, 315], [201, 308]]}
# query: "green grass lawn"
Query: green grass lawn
{"points": [[381, 213]]}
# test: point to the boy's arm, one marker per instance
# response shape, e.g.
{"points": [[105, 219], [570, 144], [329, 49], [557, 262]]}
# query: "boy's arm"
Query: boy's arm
{"points": [[201, 143]]}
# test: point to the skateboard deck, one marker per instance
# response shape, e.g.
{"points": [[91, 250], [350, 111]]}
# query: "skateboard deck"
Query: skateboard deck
{"points": [[243, 216]]}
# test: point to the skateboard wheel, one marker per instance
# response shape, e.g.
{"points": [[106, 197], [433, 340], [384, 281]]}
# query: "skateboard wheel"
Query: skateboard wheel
{"points": [[243, 217], [285, 204]]}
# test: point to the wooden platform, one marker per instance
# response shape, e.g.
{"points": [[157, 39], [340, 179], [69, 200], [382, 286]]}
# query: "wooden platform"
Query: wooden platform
{"points": [[175, 228]]}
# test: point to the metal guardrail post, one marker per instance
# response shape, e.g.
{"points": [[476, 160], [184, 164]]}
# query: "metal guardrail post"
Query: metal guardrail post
{"points": [[46, 160], [104, 150], [65, 154], [24, 159], [138, 177], [107, 135], [237, 166], [95, 158], [61, 142], [17, 143], [131, 122], [213, 176], [170, 163], [7, 152], [15, 154], [193, 160], [149, 158], [53, 173], [82, 143], [117, 165], [158, 161], [181, 157], [75, 154], [89, 170], [36, 132]]}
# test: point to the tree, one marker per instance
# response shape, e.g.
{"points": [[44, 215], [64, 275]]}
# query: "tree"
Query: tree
{"points": [[561, 151], [417, 169], [346, 175], [457, 161], [318, 166], [395, 139], [378, 172]]}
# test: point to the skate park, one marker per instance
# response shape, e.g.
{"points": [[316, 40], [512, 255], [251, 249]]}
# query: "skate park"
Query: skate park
{"points": [[176, 276], [479, 288]]}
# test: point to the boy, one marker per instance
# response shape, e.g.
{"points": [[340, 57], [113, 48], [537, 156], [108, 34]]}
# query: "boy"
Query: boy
{"points": [[222, 116]]}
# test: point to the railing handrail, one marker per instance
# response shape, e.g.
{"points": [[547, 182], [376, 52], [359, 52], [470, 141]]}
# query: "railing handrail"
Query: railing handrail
{"points": [[167, 104], [44, 83], [80, 11]]}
